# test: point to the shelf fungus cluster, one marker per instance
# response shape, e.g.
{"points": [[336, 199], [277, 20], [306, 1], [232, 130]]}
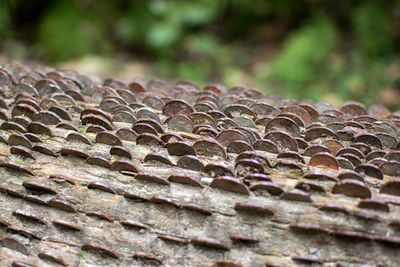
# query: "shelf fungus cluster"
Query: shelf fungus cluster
{"points": [[115, 174]]}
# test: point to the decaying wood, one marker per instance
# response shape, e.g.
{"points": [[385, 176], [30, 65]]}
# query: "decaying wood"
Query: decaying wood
{"points": [[135, 175]]}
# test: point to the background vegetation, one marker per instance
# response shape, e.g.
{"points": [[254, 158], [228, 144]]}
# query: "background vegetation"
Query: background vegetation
{"points": [[318, 49]]}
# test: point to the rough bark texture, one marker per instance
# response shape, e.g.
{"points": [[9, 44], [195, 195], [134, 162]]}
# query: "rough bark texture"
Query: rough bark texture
{"points": [[110, 217]]}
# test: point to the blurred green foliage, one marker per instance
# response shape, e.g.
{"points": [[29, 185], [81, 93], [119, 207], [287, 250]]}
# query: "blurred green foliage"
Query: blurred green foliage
{"points": [[67, 31], [304, 53], [314, 49], [5, 20]]}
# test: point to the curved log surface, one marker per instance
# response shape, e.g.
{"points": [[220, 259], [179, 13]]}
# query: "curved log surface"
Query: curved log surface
{"points": [[79, 191]]}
